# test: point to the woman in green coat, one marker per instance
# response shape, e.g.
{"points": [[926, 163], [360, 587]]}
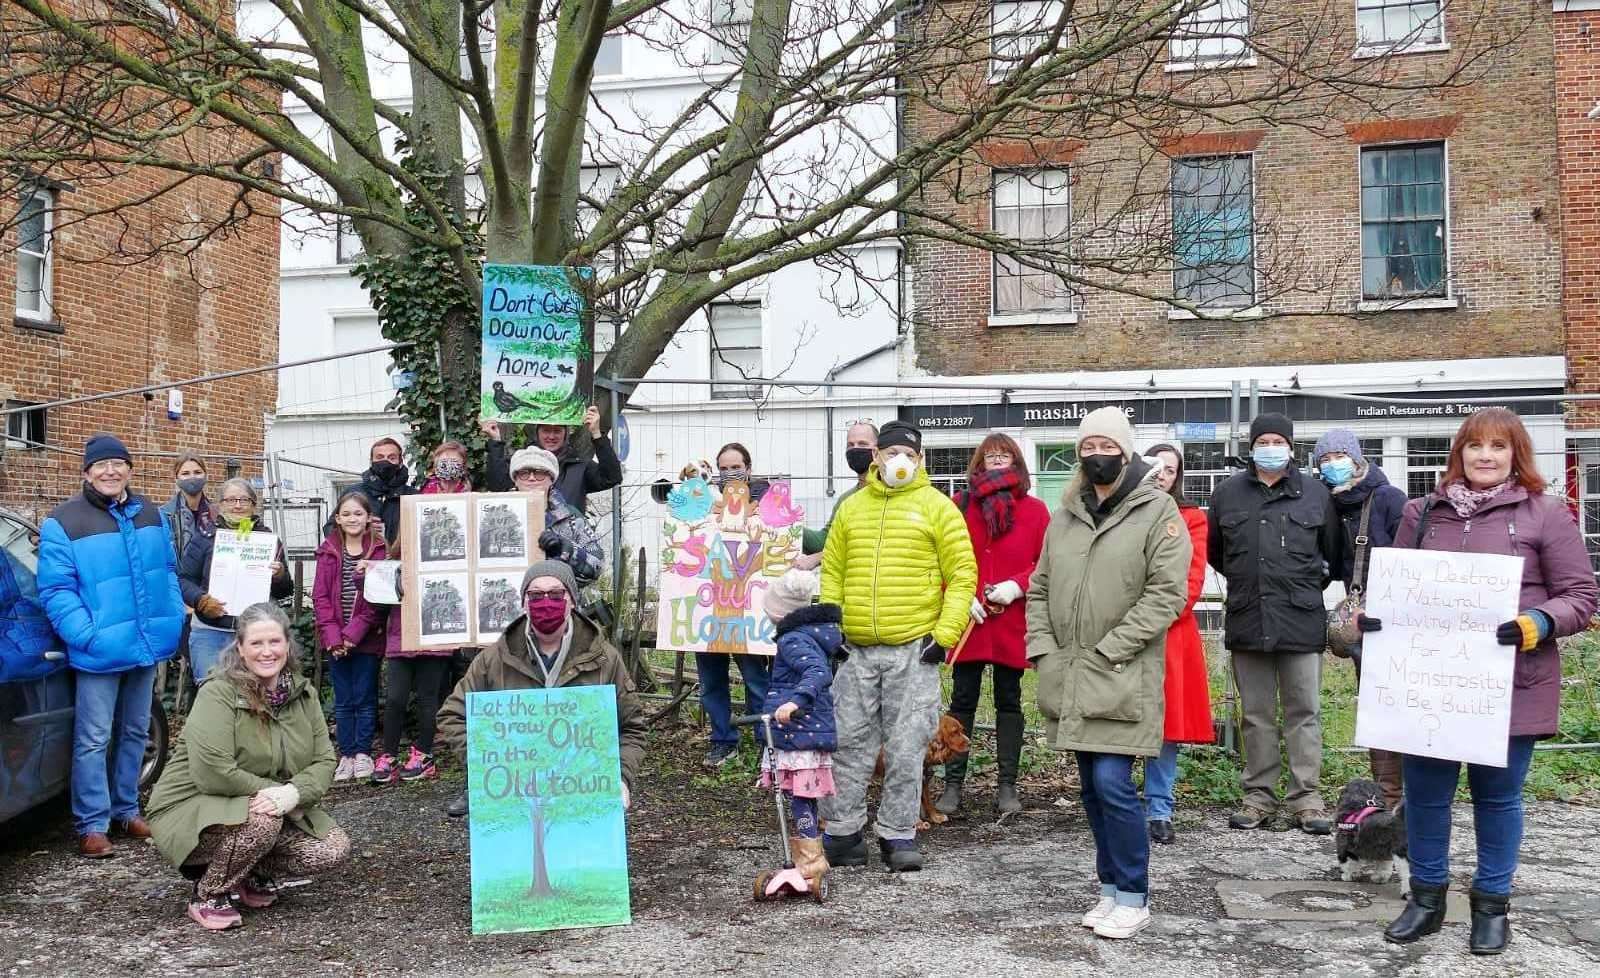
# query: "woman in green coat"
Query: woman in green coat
{"points": [[238, 804], [1111, 580]]}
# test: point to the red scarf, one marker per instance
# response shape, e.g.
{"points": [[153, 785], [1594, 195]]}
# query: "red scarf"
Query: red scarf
{"points": [[997, 492]]}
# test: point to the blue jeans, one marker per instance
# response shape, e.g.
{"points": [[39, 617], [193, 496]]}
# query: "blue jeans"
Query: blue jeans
{"points": [[716, 698], [1430, 786], [1121, 841], [355, 701], [205, 650], [1160, 774], [110, 728]]}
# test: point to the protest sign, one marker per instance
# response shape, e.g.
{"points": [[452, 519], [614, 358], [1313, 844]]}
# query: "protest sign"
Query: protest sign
{"points": [[544, 782], [462, 558], [380, 586], [538, 343], [1434, 682], [720, 554], [241, 568]]}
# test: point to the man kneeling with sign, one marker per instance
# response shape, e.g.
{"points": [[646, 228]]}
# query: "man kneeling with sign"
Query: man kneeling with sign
{"points": [[546, 647]]}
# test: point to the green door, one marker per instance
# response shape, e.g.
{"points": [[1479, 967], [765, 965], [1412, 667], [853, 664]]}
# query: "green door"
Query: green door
{"points": [[1057, 463]]}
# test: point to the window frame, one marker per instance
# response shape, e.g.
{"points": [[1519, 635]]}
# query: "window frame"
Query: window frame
{"points": [[345, 228], [1252, 305], [1178, 60], [725, 389], [46, 313], [998, 68], [34, 425], [1417, 462], [616, 39], [1446, 298], [1373, 49], [1033, 315]]}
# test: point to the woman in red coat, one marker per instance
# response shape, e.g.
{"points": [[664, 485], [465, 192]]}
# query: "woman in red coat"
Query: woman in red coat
{"points": [[1007, 528], [1188, 688]]}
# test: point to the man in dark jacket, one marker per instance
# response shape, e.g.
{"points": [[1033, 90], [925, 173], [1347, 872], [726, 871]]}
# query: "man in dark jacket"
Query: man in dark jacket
{"points": [[384, 482], [1359, 486], [581, 474], [1275, 537], [109, 585]]}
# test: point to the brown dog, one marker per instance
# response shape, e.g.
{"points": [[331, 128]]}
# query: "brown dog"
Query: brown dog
{"points": [[948, 741]]}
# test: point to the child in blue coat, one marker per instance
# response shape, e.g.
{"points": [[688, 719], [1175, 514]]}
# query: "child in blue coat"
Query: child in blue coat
{"points": [[804, 737]]}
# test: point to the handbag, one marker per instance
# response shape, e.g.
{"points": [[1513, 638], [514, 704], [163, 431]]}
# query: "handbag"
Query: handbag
{"points": [[1344, 638]]}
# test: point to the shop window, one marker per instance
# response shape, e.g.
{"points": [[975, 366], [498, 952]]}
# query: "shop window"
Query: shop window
{"points": [[1404, 253], [1426, 459], [1204, 467], [947, 467]]}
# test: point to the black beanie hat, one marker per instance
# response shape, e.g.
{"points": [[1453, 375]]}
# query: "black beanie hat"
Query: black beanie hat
{"points": [[900, 433], [1271, 423], [102, 446]]}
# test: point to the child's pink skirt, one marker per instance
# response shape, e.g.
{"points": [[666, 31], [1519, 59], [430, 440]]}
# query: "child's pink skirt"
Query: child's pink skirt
{"points": [[802, 773]]}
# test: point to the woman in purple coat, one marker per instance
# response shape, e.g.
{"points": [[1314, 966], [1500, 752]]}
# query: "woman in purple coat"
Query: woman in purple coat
{"points": [[1492, 500]]}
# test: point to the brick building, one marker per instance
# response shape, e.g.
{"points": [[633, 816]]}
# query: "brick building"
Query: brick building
{"points": [[1404, 250]]}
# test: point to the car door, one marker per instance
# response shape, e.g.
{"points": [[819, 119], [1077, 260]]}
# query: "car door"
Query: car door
{"points": [[35, 713]]}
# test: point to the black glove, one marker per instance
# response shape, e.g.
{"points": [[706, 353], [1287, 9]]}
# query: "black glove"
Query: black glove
{"points": [[553, 544], [932, 652], [1365, 624]]}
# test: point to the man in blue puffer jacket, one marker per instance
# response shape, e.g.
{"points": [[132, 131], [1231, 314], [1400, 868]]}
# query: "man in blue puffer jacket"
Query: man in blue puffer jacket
{"points": [[108, 582]]}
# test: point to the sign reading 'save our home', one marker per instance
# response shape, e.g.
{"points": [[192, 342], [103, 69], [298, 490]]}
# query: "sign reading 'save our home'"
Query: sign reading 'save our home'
{"points": [[538, 344]]}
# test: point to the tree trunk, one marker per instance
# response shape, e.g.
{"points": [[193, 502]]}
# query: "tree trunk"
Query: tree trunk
{"points": [[540, 887]]}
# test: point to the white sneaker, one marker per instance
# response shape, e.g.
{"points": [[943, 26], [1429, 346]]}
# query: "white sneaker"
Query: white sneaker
{"points": [[345, 771], [363, 767], [1123, 922], [1100, 911]]}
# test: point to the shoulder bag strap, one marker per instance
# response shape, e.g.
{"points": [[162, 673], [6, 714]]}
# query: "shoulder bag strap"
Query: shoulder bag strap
{"points": [[1422, 521], [1359, 571]]}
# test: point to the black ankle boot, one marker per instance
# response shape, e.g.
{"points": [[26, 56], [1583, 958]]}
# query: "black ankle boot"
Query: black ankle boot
{"points": [[1423, 915], [1491, 928]]}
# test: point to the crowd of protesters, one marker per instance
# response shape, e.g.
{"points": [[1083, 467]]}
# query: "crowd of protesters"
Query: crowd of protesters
{"points": [[1095, 591]]}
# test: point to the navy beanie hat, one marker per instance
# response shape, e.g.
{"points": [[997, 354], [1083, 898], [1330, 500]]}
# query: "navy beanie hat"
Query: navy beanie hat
{"points": [[102, 446], [1339, 440], [1271, 423]]}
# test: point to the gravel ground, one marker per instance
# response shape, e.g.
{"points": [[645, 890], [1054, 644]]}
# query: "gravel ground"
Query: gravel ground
{"points": [[995, 899]]}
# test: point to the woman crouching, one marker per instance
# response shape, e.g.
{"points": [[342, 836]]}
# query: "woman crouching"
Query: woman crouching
{"points": [[238, 804]]}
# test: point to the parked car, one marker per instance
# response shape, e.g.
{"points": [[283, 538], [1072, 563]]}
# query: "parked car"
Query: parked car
{"points": [[36, 687]]}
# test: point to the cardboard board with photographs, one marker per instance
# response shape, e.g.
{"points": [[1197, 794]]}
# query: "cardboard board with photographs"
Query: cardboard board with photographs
{"points": [[462, 559]]}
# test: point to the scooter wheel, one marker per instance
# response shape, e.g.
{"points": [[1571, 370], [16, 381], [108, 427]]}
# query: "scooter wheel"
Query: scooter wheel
{"points": [[819, 889], [760, 891]]}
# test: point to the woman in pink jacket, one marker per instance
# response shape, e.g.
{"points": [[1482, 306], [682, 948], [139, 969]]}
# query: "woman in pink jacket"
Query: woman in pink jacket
{"points": [[1492, 501]]}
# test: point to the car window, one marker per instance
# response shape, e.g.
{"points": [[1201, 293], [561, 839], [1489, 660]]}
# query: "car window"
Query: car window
{"points": [[21, 546]]}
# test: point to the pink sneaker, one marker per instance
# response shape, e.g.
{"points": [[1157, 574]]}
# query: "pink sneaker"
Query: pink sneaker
{"points": [[257, 892], [418, 766], [385, 771], [214, 913]]}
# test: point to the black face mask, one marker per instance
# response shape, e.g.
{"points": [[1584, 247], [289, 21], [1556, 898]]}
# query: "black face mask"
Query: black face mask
{"points": [[1102, 470], [859, 459], [387, 471]]}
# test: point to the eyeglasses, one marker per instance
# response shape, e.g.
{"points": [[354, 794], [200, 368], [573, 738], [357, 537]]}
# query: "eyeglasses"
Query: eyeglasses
{"points": [[527, 474], [997, 457], [239, 500], [109, 465], [557, 595]]}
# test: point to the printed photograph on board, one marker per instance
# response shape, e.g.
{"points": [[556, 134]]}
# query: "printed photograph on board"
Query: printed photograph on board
{"points": [[496, 603], [502, 531], [444, 608], [442, 536]]}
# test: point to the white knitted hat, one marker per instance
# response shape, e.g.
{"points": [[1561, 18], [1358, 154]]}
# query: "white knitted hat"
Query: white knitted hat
{"points": [[1109, 422], [534, 458], [790, 593]]}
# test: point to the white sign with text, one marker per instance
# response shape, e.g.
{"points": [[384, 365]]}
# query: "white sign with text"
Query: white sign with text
{"points": [[241, 568], [1434, 682]]}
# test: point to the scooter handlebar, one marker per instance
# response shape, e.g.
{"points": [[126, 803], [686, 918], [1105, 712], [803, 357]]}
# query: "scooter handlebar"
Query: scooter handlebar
{"points": [[750, 719]]}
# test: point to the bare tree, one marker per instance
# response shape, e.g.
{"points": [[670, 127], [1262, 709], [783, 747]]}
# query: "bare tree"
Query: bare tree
{"points": [[821, 125]]}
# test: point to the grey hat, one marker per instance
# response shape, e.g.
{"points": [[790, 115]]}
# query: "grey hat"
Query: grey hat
{"points": [[552, 568], [1339, 440]]}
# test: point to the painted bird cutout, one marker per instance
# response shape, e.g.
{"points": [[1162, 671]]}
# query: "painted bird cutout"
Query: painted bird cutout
{"points": [[505, 400], [777, 509], [690, 501], [733, 509]]}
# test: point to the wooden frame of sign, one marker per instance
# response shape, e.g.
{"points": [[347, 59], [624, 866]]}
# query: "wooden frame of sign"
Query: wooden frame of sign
{"points": [[460, 554]]}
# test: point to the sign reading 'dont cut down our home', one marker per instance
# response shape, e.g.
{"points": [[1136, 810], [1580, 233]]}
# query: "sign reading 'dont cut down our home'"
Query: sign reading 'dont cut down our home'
{"points": [[1434, 682], [544, 785], [538, 343]]}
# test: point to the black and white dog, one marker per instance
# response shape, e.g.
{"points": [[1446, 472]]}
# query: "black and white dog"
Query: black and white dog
{"points": [[1369, 837]]}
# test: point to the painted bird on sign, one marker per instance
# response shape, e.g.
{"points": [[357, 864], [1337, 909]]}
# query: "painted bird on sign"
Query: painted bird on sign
{"points": [[504, 400]]}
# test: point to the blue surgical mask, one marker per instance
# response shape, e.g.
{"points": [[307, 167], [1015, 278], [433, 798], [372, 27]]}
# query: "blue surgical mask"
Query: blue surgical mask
{"points": [[1338, 471], [1270, 458]]}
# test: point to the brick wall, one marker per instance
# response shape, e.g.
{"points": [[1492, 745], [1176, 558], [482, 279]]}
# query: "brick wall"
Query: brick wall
{"points": [[1504, 213], [1577, 63], [127, 325]]}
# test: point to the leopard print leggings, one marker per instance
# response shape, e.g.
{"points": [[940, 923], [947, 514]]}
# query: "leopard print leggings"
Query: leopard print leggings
{"points": [[266, 844]]}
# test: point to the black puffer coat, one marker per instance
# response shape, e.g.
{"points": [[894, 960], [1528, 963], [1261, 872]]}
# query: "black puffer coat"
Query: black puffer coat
{"points": [[1278, 546]]}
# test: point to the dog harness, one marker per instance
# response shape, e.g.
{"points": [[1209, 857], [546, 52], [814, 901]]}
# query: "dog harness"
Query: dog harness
{"points": [[1353, 823]]}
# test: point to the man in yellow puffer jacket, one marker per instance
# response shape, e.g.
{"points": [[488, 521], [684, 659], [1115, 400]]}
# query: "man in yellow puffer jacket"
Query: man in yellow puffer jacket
{"points": [[899, 562]]}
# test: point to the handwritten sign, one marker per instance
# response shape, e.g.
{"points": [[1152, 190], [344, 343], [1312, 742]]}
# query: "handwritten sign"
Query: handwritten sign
{"points": [[241, 568], [1434, 682], [538, 342], [544, 782], [720, 554]]}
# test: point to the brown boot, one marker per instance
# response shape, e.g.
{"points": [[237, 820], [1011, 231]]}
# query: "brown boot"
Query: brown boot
{"points": [[1386, 771], [95, 845], [809, 858]]}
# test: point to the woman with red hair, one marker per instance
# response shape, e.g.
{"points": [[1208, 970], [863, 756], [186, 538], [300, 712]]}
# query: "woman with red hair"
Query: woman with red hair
{"points": [[1492, 501], [1007, 528]]}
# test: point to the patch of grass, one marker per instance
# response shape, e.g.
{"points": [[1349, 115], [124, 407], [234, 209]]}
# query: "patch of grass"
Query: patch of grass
{"points": [[583, 898]]}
